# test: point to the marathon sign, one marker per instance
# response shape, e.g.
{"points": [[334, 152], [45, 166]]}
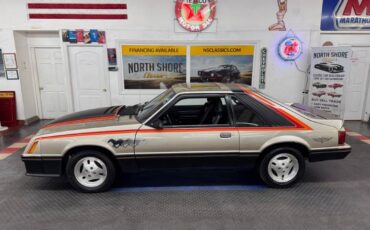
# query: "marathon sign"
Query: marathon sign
{"points": [[345, 15]]}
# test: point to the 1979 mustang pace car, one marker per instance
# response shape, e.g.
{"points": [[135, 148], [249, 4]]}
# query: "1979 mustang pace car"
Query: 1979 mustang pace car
{"points": [[191, 126]]}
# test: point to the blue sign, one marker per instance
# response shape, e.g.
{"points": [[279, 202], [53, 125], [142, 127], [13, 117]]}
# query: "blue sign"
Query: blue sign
{"points": [[345, 15]]}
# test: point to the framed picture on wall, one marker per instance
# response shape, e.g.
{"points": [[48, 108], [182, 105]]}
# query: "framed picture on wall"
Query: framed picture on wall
{"points": [[222, 63], [2, 71], [12, 74], [10, 61]]}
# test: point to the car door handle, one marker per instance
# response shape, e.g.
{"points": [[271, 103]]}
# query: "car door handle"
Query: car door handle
{"points": [[225, 135]]}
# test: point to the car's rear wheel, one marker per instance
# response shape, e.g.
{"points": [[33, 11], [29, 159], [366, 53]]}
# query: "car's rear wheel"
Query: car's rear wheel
{"points": [[282, 167], [90, 171]]}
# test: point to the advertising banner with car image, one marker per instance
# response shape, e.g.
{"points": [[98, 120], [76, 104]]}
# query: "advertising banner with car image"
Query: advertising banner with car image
{"points": [[330, 69], [153, 66], [222, 63]]}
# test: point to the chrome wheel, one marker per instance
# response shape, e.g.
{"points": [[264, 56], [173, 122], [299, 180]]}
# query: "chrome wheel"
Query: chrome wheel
{"points": [[90, 172], [283, 167]]}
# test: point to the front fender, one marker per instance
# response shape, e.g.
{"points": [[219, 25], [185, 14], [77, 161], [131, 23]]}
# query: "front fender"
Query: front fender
{"points": [[76, 144]]}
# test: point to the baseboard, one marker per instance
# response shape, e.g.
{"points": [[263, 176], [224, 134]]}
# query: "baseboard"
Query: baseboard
{"points": [[31, 120]]}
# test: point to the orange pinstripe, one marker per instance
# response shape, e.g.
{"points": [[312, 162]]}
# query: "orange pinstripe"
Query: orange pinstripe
{"points": [[85, 120]]}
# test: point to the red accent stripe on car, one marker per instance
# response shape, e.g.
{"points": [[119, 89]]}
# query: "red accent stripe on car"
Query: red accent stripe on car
{"points": [[86, 134], [84, 120], [168, 130]]}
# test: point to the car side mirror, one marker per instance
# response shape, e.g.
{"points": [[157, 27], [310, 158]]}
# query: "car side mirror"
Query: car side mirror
{"points": [[157, 124]]}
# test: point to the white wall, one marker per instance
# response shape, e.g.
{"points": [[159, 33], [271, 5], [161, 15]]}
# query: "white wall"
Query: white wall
{"points": [[7, 45], [29, 104], [237, 20]]}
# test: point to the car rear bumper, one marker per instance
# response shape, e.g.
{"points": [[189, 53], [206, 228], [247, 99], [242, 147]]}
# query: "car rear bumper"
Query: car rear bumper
{"points": [[43, 166], [329, 154]]}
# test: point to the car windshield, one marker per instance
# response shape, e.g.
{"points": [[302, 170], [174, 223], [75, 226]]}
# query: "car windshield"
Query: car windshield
{"points": [[148, 108]]}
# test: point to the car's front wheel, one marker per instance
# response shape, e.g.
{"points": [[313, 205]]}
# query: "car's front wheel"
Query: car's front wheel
{"points": [[90, 171], [282, 167]]}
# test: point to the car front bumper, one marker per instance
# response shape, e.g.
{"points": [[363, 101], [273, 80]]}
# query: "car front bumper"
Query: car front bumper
{"points": [[329, 154], [43, 166]]}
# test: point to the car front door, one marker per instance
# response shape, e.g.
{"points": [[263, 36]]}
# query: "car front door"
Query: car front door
{"points": [[196, 131]]}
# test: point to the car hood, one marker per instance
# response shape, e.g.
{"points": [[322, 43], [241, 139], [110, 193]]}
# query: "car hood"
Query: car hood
{"points": [[93, 118]]}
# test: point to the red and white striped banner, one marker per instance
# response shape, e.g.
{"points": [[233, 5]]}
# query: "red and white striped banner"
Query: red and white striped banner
{"points": [[76, 10]]}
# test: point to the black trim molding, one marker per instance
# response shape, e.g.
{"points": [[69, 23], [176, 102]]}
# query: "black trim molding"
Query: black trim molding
{"points": [[328, 154], [43, 166]]}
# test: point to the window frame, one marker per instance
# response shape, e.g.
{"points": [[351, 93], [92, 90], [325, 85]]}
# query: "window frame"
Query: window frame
{"points": [[194, 95], [262, 118]]}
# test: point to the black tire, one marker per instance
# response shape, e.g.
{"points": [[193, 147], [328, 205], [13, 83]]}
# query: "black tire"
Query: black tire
{"points": [[263, 167], [76, 157]]}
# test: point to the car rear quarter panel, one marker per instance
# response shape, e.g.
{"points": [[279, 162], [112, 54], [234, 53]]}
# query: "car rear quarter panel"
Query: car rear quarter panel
{"points": [[319, 136]]}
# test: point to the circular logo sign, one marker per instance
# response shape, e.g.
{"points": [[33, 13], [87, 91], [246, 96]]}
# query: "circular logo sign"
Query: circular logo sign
{"points": [[195, 15], [290, 48]]}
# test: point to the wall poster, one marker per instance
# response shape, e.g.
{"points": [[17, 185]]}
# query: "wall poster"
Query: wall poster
{"points": [[153, 66], [222, 63], [330, 69]]}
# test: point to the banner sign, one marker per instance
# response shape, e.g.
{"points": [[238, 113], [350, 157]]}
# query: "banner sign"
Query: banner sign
{"points": [[153, 66], [263, 67], [345, 15], [330, 69], [222, 63]]}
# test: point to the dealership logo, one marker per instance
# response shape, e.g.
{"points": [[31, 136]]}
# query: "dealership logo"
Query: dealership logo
{"points": [[195, 15], [352, 14]]}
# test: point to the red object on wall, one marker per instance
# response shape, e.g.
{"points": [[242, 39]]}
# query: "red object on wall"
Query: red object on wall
{"points": [[8, 111]]}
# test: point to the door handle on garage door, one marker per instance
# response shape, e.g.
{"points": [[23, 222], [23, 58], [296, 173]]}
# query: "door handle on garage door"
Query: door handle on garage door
{"points": [[225, 135]]}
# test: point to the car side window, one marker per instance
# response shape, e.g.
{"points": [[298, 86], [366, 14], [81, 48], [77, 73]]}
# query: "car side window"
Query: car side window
{"points": [[244, 115], [197, 111]]}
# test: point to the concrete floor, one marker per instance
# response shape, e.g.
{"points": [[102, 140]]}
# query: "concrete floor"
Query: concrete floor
{"points": [[332, 195]]}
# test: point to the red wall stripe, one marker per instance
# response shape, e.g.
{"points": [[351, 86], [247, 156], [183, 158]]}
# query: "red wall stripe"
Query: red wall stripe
{"points": [[76, 6], [78, 16]]}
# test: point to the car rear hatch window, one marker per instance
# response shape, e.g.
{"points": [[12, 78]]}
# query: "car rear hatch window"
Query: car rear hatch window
{"points": [[313, 113]]}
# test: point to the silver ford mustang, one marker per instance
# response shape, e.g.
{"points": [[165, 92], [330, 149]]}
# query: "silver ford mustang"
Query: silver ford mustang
{"points": [[187, 126]]}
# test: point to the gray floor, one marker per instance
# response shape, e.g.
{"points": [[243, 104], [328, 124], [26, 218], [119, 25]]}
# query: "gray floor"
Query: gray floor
{"points": [[333, 195]]}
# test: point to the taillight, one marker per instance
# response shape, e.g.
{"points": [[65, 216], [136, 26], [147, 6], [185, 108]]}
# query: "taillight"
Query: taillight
{"points": [[341, 137]]}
